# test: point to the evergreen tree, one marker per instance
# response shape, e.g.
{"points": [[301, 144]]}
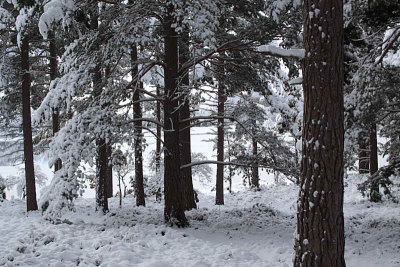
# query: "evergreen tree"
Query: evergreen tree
{"points": [[320, 223]]}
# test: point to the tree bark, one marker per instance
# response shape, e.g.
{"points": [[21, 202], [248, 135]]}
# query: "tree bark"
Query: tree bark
{"points": [[375, 196], [109, 182], [184, 134], [158, 133], [174, 201], [31, 202], [53, 76], [102, 155], [320, 224], [363, 154], [138, 136], [254, 170], [219, 198]]}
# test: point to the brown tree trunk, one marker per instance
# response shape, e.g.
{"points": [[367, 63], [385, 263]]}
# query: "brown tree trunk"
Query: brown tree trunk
{"points": [[184, 134], [31, 202], [174, 211], [219, 198], [53, 76], [320, 224], [363, 155], [137, 114], [375, 196], [254, 170]]}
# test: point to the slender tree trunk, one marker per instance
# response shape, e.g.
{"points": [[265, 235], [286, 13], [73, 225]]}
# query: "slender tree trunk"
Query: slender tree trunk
{"points": [[184, 134], [219, 199], [101, 175], [158, 139], [230, 167], [320, 224], [31, 202], [254, 171], [375, 196], [53, 76], [102, 155], [137, 113], [363, 155], [109, 186], [174, 211], [120, 190]]}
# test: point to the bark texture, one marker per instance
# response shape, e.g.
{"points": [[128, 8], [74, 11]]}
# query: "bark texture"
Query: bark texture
{"points": [[320, 225], [363, 155], [219, 189], [138, 136], [174, 201], [109, 182], [102, 155], [184, 134], [31, 202], [158, 133]]}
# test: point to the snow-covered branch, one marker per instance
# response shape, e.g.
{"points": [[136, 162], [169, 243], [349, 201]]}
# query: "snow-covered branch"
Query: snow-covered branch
{"points": [[213, 162], [275, 51]]}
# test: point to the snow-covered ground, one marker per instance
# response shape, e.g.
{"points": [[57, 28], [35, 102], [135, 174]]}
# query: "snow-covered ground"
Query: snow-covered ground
{"points": [[252, 229]]}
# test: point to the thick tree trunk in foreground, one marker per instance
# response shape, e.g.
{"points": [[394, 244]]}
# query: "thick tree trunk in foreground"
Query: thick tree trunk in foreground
{"points": [[184, 134], [320, 225], [174, 201], [53, 76], [137, 114], [31, 202], [219, 189], [373, 161], [255, 177]]}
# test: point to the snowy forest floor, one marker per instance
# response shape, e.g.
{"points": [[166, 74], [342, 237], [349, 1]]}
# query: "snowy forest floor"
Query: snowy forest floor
{"points": [[252, 229]]}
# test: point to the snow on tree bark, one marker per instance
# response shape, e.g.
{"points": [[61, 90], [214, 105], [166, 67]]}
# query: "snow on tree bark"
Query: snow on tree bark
{"points": [[53, 76], [174, 201], [31, 202], [320, 227], [137, 114]]}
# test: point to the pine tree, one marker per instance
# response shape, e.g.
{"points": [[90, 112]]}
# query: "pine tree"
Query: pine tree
{"points": [[320, 222]]}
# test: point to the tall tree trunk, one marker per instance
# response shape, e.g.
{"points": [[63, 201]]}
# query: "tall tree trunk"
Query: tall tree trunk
{"points": [[174, 210], [101, 175], [184, 134], [31, 203], [230, 173], [53, 76], [375, 196], [254, 170], [109, 182], [363, 154], [158, 141], [137, 114], [219, 198], [102, 155], [320, 224]]}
